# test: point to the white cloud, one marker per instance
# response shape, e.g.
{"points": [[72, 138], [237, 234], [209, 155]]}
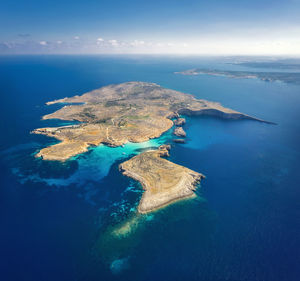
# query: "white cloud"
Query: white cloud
{"points": [[234, 43], [113, 42], [136, 43]]}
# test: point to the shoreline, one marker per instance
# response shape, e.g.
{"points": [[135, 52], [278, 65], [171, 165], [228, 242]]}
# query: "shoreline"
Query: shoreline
{"points": [[167, 204]]}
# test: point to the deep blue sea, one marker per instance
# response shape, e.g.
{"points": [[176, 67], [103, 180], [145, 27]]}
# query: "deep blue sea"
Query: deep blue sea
{"points": [[77, 220]]}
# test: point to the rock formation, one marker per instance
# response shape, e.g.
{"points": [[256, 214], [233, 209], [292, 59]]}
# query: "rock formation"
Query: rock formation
{"points": [[178, 131], [179, 121]]}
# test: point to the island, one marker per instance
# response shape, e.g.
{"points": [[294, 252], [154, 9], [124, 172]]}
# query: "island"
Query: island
{"points": [[179, 132], [287, 77], [163, 182], [117, 114], [133, 112]]}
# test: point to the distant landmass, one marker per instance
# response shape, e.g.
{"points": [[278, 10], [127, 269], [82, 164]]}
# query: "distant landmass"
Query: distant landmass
{"points": [[287, 77], [133, 112], [281, 64]]}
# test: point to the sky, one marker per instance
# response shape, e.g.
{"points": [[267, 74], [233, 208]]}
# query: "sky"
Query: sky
{"points": [[211, 27]]}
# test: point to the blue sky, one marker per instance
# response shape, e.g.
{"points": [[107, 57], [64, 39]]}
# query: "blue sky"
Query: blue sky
{"points": [[165, 26]]}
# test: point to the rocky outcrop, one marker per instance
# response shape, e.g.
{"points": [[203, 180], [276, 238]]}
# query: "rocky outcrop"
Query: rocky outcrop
{"points": [[179, 121], [178, 131], [164, 148]]}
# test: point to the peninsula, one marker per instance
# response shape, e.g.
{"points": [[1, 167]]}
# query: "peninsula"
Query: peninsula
{"points": [[133, 112]]}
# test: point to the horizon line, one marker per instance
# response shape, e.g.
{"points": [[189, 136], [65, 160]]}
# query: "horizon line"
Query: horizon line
{"points": [[155, 54]]}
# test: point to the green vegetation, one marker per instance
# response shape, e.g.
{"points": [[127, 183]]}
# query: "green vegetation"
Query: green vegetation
{"points": [[101, 121]]}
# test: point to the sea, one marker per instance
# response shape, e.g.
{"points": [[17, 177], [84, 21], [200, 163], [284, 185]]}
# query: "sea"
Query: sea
{"points": [[78, 220]]}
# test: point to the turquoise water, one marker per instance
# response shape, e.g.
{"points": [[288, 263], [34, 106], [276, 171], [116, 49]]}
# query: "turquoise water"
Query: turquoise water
{"points": [[77, 220]]}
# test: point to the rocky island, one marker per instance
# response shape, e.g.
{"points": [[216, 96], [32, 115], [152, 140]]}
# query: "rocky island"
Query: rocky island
{"points": [[133, 112], [179, 132], [163, 181]]}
